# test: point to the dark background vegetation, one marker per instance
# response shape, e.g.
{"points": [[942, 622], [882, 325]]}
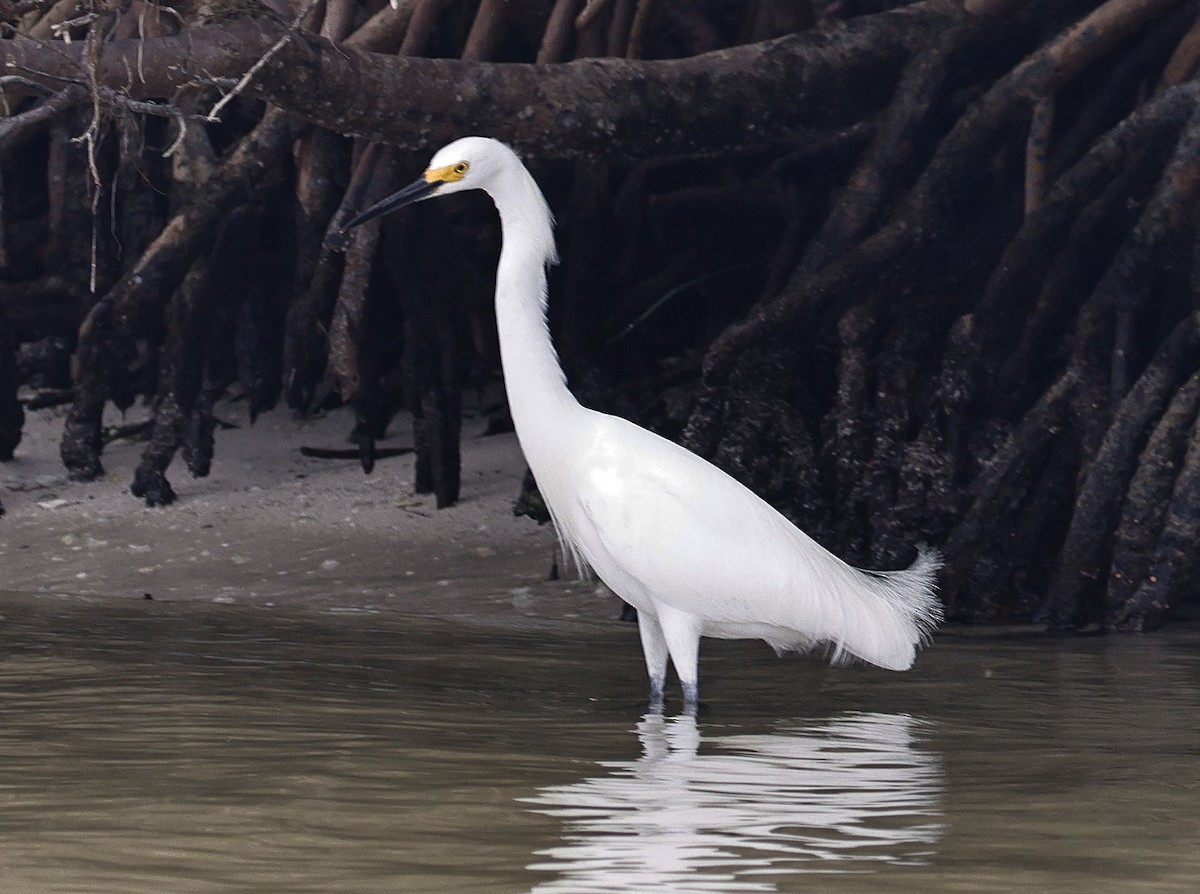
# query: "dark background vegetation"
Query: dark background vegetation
{"points": [[911, 271]]}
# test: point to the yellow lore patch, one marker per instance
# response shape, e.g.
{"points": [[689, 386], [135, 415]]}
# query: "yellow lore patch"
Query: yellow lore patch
{"points": [[448, 174]]}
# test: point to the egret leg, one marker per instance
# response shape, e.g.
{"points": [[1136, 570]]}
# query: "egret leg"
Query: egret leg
{"points": [[654, 648], [682, 634]]}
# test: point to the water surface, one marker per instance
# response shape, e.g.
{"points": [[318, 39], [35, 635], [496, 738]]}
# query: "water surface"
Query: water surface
{"points": [[183, 747]]}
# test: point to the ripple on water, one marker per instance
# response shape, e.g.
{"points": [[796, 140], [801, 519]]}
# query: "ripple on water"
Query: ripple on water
{"points": [[158, 747]]}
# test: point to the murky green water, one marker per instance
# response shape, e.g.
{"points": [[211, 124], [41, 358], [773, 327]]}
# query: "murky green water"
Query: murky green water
{"points": [[154, 747]]}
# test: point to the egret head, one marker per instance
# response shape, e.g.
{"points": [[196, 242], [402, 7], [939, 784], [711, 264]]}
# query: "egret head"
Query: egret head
{"points": [[467, 163]]}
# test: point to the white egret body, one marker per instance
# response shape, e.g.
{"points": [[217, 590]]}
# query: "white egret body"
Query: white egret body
{"points": [[696, 552]]}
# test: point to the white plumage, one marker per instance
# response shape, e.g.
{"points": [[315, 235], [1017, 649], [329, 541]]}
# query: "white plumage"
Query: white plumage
{"points": [[696, 552]]}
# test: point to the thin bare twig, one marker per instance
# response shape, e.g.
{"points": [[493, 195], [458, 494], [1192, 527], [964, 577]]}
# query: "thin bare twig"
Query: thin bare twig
{"points": [[27, 83], [159, 109], [11, 128], [141, 30], [89, 137], [62, 30], [266, 57]]}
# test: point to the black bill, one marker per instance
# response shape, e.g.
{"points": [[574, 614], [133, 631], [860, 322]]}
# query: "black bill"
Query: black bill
{"points": [[414, 192]]}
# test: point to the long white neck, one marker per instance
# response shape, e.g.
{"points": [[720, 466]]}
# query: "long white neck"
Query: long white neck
{"points": [[536, 385]]}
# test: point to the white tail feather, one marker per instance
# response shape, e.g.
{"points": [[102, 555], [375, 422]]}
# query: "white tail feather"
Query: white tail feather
{"points": [[892, 614]]}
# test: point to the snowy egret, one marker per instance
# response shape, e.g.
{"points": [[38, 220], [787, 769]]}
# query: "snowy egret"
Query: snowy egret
{"points": [[696, 552]]}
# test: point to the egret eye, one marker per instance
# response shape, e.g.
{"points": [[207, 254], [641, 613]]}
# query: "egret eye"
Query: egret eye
{"points": [[452, 173]]}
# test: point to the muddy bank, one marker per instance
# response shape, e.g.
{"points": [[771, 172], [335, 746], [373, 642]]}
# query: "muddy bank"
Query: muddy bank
{"points": [[273, 526]]}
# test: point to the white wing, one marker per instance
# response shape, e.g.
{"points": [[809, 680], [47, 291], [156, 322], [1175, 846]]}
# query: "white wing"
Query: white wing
{"points": [[655, 520]]}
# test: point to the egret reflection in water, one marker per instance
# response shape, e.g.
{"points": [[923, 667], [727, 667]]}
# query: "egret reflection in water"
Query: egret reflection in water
{"points": [[723, 813]]}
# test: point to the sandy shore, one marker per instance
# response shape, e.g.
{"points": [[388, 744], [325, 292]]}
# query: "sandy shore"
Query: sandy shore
{"points": [[271, 526]]}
